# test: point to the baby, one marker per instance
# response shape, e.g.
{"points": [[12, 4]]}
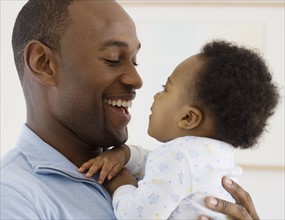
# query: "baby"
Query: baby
{"points": [[213, 102]]}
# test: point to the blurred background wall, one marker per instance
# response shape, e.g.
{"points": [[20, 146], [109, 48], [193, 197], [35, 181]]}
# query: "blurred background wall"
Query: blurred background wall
{"points": [[169, 32]]}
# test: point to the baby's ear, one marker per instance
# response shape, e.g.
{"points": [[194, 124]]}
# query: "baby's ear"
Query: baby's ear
{"points": [[191, 118]]}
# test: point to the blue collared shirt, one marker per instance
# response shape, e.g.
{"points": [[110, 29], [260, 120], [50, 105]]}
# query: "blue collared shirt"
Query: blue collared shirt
{"points": [[37, 182]]}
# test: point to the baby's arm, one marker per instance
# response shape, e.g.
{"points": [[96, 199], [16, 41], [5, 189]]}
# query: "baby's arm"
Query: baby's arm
{"points": [[124, 177], [137, 161], [110, 163], [166, 182]]}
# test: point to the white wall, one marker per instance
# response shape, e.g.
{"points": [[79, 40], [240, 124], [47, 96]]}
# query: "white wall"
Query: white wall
{"points": [[170, 31], [13, 110], [266, 188]]}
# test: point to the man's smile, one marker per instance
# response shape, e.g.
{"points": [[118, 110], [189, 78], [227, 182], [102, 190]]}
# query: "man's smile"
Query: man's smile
{"points": [[120, 108]]}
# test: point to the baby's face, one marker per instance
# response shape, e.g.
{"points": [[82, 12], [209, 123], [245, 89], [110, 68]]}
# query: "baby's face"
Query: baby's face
{"points": [[169, 104]]}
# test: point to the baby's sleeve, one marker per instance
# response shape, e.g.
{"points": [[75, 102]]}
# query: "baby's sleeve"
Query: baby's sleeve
{"points": [[137, 161], [165, 183]]}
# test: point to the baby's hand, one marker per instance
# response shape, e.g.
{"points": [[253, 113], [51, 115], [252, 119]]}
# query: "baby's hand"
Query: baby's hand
{"points": [[123, 178], [109, 168], [109, 162]]}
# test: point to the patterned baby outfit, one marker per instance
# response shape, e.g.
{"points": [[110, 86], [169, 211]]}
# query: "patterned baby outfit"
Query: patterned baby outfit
{"points": [[176, 179]]}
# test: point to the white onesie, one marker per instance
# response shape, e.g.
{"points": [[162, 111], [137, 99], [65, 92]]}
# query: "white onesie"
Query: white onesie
{"points": [[177, 177]]}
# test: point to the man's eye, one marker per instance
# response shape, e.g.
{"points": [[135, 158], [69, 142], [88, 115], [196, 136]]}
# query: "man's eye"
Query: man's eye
{"points": [[116, 62], [112, 62]]}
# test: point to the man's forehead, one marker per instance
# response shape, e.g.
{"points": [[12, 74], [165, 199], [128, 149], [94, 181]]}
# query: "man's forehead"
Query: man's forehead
{"points": [[94, 16], [97, 8], [110, 28], [116, 43]]}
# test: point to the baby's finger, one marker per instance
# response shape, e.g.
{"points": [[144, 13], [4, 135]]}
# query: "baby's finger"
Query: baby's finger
{"points": [[116, 169], [97, 165], [86, 165], [107, 167]]}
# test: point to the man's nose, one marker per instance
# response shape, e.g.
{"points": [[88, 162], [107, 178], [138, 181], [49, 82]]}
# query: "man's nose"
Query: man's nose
{"points": [[132, 78]]}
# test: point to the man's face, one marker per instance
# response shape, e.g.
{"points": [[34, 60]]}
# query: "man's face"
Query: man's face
{"points": [[97, 75]]}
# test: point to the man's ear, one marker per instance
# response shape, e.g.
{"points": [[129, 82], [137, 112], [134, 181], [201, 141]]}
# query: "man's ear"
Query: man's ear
{"points": [[40, 62], [191, 118]]}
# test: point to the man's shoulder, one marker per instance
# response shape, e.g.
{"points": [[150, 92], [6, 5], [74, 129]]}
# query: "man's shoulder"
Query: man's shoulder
{"points": [[11, 159], [13, 166]]}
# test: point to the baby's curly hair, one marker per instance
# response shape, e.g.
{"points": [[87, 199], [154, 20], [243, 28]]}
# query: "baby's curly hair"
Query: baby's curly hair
{"points": [[235, 86]]}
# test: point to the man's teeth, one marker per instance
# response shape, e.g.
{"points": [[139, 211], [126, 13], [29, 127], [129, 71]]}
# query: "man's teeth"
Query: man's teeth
{"points": [[119, 103]]}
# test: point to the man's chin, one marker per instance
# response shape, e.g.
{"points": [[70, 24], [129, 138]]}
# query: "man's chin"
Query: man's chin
{"points": [[121, 141], [118, 138]]}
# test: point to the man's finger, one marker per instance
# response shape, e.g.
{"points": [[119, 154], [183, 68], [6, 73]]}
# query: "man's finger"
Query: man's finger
{"points": [[241, 196], [234, 210]]}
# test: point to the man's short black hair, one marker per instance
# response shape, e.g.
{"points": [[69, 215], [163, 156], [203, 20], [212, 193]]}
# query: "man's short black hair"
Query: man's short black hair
{"points": [[43, 20]]}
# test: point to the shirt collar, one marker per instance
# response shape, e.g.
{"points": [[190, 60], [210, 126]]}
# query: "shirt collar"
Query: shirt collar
{"points": [[44, 159]]}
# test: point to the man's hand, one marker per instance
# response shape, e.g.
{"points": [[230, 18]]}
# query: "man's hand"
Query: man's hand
{"points": [[123, 178], [110, 163], [244, 207]]}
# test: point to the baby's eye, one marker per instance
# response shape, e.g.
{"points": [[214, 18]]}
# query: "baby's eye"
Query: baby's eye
{"points": [[164, 88]]}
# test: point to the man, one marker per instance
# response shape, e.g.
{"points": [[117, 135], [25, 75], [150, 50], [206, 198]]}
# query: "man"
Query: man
{"points": [[77, 66]]}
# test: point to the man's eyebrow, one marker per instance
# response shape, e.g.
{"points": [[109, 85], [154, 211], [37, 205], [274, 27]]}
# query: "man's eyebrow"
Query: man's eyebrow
{"points": [[116, 43]]}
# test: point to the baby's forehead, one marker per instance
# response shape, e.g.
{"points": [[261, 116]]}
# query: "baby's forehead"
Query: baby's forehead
{"points": [[192, 62], [188, 68]]}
